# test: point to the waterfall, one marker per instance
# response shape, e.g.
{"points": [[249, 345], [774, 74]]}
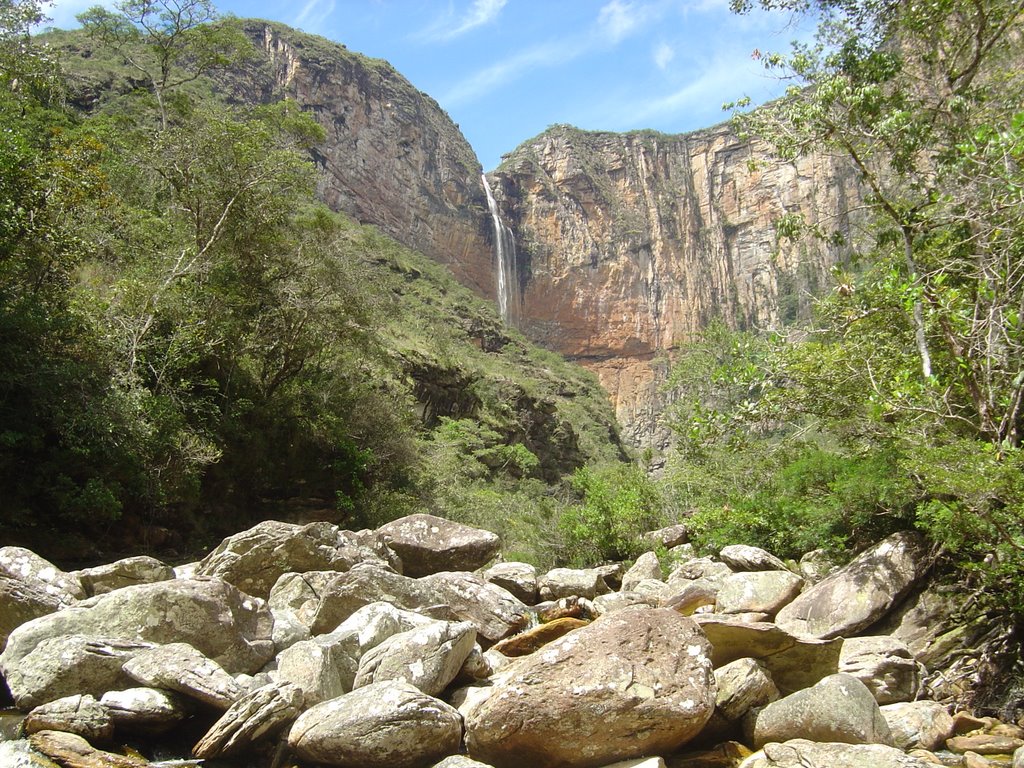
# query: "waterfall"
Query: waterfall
{"points": [[508, 281]]}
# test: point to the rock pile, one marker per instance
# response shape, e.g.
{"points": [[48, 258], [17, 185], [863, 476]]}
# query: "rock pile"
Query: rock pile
{"points": [[393, 648]]}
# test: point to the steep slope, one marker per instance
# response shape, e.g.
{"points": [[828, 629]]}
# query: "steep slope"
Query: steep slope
{"points": [[631, 243]]}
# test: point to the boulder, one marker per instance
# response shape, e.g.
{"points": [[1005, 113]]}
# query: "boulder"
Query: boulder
{"points": [[571, 582], [647, 566], [918, 724], [254, 559], [256, 715], [429, 544], [794, 663], [616, 601], [984, 744], [520, 579], [837, 708], [740, 557], [427, 657], [537, 637], [459, 761], [73, 751], [699, 568], [636, 682], [123, 573], [145, 710], [686, 597], [300, 593], [22, 601], [885, 665], [494, 612], [655, 589], [325, 667], [366, 583], [25, 565], [764, 591], [70, 664], [856, 596], [79, 714], [224, 624], [669, 537], [816, 565], [800, 753], [742, 685], [384, 725], [180, 667], [288, 630]]}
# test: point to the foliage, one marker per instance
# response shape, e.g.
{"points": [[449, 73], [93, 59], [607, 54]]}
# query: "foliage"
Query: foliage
{"points": [[619, 503], [902, 402]]}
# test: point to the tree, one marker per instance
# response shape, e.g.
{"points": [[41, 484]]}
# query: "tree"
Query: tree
{"points": [[919, 352], [169, 42]]}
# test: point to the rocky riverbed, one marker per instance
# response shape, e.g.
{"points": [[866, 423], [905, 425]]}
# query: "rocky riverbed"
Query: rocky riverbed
{"points": [[411, 646]]}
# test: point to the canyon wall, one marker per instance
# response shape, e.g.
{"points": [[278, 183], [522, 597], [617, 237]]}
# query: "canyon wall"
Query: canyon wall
{"points": [[392, 156], [629, 244]]}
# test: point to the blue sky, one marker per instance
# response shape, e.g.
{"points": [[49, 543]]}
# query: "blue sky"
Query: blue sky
{"points": [[506, 69]]}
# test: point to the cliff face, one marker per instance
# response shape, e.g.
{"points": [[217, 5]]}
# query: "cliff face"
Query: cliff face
{"points": [[392, 157], [629, 244]]}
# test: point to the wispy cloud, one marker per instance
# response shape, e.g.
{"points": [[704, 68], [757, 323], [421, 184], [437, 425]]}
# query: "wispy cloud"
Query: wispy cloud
{"points": [[615, 21], [313, 14], [663, 55], [451, 26]]}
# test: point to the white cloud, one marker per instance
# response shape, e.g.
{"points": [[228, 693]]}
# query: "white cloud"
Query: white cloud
{"points": [[313, 14], [479, 13], [663, 55], [618, 19]]}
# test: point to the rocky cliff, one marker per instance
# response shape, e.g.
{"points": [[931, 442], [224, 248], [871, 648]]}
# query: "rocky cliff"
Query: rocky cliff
{"points": [[629, 244], [392, 157]]}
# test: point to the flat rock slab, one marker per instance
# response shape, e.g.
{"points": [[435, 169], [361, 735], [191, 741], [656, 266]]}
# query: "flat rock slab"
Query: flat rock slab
{"points": [[180, 667], [859, 594], [536, 638], [429, 544], [741, 557], [800, 753], [384, 725], [793, 662], [255, 716], [72, 751], [633, 683], [123, 573], [839, 708]]}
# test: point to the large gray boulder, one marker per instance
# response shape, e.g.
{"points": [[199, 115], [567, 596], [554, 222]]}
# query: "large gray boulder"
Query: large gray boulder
{"points": [[66, 665], [741, 557], [254, 559], [635, 682], [885, 665], [123, 573], [647, 566], [255, 716], [145, 710], [22, 601], [838, 708], [429, 544], [80, 714], [25, 565], [520, 579], [801, 753], [856, 596], [918, 724], [384, 725], [742, 685], [764, 591], [300, 593], [428, 657], [180, 667], [495, 612], [794, 663], [571, 582], [224, 624]]}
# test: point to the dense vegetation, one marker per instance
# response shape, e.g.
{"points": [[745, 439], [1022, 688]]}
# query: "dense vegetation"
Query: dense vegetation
{"points": [[901, 404], [192, 342]]}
